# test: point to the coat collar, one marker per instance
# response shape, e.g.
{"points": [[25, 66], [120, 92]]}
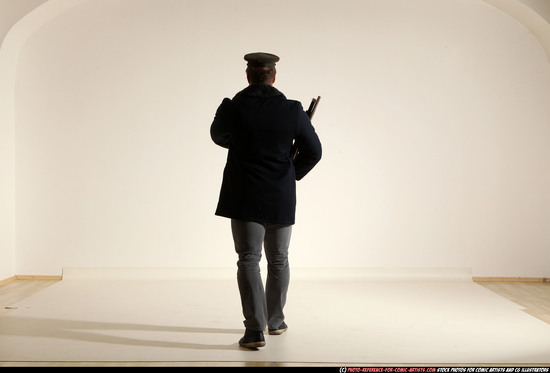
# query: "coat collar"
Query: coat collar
{"points": [[262, 90]]}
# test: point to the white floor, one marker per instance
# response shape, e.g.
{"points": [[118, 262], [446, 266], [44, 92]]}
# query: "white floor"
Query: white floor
{"points": [[356, 318]]}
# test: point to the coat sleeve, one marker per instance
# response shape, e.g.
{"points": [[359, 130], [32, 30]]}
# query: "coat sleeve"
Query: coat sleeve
{"points": [[309, 145], [220, 130]]}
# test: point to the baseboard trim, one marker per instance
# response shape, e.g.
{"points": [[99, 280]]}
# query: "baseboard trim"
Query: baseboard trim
{"points": [[7, 280], [29, 277], [511, 279], [475, 279], [37, 277]]}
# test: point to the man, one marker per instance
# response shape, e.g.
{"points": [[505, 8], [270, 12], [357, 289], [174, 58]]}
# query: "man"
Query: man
{"points": [[258, 127]]}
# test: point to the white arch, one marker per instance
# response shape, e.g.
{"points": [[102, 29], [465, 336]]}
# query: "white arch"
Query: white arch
{"points": [[14, 41], [529, 17], [29, 24], [32, 23], [9, 56]]}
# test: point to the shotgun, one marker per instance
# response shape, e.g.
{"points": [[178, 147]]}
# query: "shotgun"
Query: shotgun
{"points": [[310, 112]]}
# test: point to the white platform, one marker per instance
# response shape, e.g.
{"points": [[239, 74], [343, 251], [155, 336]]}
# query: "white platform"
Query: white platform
{"points": [[361, 317]]}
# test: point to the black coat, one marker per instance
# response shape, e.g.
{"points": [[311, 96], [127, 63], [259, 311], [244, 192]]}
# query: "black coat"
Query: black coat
{"points": [[259, 126]]}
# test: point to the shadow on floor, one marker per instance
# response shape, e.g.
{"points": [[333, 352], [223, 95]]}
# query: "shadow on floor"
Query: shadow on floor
{"points": [[91, 331]]}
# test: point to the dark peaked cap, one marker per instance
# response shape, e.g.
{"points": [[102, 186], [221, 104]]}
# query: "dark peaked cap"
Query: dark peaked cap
{"points": [[260, 59]]}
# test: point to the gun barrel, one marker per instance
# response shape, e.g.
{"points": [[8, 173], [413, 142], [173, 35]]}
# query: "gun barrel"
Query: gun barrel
{"points": [[313, 106], [310, 111]]}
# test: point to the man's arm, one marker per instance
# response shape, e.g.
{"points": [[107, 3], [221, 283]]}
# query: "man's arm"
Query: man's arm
{"points": [[220, 128], [309, 145]]}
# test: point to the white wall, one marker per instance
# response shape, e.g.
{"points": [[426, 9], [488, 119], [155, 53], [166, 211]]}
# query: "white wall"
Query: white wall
{"points": [[15, 27], [7, 174], [434, 121], [10, 13]]}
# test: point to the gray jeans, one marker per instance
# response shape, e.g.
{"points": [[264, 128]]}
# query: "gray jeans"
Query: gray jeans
{"points": [[262, 307]]}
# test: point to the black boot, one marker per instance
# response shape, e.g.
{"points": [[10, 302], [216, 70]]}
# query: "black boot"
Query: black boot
{"points": [[252, 339], [280, 330]]}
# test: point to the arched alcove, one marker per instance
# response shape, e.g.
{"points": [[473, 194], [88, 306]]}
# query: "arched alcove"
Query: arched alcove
{"points": [[533, 14], [433, 119]]}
